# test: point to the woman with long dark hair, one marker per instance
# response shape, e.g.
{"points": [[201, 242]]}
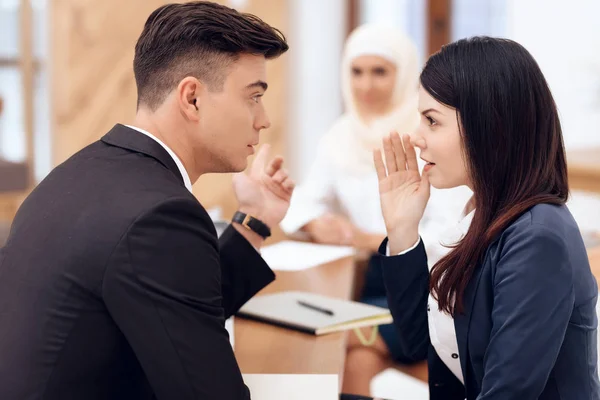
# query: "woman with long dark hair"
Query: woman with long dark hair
{"points": [[509, 312]]}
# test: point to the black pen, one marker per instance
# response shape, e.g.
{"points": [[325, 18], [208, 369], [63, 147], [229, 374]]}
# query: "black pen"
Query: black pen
{"points": [[315, 308]]}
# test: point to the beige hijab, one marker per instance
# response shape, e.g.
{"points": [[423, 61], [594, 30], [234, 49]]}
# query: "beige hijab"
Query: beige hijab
{"points": [[350, 141]]}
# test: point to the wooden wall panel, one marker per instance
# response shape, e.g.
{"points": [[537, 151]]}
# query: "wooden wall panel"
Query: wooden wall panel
{"points": [[439, 23], [91, 67], [93, 85]]}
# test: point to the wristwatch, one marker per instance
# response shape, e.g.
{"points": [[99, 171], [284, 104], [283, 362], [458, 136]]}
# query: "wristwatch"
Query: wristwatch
{"points": [[249, 222]]}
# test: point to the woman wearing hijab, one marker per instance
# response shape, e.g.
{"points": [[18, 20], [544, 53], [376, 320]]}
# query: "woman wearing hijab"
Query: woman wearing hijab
{"points": [[338, 203]]}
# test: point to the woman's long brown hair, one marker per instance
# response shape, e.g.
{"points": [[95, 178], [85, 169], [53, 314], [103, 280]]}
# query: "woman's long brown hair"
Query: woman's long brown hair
{"points": [[512, 143]]}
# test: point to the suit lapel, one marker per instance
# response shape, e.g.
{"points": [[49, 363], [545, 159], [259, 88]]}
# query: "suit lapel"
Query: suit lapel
{"points": [[130, 139]]}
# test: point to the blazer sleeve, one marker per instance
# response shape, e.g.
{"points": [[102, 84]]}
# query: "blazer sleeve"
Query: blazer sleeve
{"points": [[162, 287], [243, 271], [533, 301], [406, 279]]}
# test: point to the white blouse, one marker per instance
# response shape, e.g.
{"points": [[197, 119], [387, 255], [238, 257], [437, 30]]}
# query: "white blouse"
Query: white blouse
{"points": [[441, 325]]}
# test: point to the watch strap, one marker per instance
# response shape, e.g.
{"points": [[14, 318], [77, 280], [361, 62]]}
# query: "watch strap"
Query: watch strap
{"points": [[254, 224]]}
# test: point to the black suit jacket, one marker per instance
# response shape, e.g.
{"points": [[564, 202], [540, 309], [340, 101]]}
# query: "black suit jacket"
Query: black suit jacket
{"points": [[113, 284]]}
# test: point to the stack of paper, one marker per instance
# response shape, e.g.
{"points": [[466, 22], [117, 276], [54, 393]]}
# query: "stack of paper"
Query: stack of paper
{"points": [[393, 384], [295, 256], [292, 387]]}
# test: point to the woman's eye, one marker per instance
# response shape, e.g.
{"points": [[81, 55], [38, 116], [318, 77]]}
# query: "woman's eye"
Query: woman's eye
{"points": [[380, 71]]}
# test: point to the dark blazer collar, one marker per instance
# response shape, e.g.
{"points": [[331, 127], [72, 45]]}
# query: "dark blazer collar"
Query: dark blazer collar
{"points": [[462, 325], [130, 139]]}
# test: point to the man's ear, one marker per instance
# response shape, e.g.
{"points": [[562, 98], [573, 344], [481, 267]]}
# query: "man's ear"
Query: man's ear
{"points": [[188, 92]]}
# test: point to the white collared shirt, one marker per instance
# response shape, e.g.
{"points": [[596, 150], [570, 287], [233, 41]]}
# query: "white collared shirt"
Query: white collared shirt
{"points": [[442, 333], [441, 325], [184, 174]]}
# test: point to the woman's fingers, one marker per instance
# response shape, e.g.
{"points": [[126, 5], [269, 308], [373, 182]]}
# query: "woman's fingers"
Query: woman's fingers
{"points": [[398, 151], [379, 167], [411, 154], [390, 157]]}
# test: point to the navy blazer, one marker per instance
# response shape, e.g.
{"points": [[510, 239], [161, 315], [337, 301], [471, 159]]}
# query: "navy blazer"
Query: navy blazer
{"points": [[529, 327]]}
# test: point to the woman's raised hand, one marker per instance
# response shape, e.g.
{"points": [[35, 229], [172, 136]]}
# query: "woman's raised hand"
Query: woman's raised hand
{"points": [[403, 192]]}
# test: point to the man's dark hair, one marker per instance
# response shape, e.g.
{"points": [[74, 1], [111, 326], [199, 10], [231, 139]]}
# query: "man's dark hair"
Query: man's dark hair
{"points": [[199, 39]]}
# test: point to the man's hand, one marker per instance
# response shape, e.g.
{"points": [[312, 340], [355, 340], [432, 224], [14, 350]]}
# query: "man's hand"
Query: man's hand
{"points": [[265, 190]]}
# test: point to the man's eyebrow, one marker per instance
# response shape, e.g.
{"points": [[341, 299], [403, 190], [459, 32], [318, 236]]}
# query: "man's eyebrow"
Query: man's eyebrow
{"points": [[259, 84]]}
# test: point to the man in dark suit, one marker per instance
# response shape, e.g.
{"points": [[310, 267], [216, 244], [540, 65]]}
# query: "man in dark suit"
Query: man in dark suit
{"points": [[113, 284]]}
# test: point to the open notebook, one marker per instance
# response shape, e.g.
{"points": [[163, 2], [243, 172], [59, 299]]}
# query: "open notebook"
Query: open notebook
{"points": [[313, 313]]}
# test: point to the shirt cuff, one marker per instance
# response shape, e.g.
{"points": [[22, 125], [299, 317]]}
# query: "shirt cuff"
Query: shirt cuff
{"points": [[387, 248]]}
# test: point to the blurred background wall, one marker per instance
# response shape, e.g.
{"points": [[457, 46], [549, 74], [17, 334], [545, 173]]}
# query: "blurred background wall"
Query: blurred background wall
{"points": [[66, 73]]}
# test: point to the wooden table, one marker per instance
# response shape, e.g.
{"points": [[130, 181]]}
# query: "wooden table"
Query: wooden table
{"points": [[266, 349], [584, 169], [262, 348]]}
